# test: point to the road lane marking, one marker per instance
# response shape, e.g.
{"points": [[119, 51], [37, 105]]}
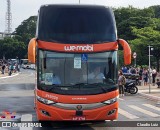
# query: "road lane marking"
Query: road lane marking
{"points": [[151, 106], [120, 99], [26, 117], [150, 97], [144, 111], [127, 114]]}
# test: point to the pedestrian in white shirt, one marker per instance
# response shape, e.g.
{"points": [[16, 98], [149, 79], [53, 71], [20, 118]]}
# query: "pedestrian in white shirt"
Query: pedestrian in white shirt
{"points": [[154, 74]]}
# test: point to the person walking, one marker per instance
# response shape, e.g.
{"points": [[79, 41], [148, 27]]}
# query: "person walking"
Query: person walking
{"points": [[3, 68], [145, 76], [121, 83], [140, 75], [154, 74], [10, 70]]}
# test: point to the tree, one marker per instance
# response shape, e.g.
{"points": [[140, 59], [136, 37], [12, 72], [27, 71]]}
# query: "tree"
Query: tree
{"points": [[10, 48], [24, 33], [127, 18], [140, 27], [146, 36], [156, 10], [26, 30]]}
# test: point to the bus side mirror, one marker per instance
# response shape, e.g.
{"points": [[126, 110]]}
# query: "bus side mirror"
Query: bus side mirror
{"points": [[31, 50], [126, 51]]}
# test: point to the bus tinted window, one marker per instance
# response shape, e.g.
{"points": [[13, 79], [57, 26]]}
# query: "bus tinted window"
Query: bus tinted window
{"points": [[76, 24]]}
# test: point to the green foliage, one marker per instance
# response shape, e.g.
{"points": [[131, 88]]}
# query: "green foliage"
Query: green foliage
{"points": [[140, 27], [147, 36], [156, 10], [127, 18], [10, 48], [26, 30]]}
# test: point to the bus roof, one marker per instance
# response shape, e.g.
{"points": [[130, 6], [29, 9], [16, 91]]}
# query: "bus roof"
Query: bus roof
{"points": [[76, 24], [73, 6]]}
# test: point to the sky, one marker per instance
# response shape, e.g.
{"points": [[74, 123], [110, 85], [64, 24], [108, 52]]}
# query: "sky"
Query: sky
{"points": [[23, 9]]}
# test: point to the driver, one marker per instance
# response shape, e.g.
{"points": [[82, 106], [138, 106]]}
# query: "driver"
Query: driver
{"points": [[96, 74], [56, 80]]}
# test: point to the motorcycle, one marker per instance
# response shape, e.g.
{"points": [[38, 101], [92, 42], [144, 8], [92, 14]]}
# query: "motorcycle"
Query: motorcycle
{"points": [[130, 87]]}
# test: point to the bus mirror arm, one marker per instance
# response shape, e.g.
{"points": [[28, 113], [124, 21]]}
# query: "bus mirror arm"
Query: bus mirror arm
{"points": [[126, 50], [44, 62]]}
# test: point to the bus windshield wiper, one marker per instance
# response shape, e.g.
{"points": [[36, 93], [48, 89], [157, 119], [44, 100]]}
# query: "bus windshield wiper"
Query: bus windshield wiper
{"points": [[100, 86], [79, 85], [52, 87]]}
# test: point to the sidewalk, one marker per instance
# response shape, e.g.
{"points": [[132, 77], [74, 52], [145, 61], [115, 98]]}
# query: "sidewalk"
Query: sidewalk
{"points": [[154, 93], [5, 75]]}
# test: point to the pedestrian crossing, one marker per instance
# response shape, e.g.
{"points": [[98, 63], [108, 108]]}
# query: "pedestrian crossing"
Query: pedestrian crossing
{"points": [[127, 114], [151, 106], [135, 112], [144, 111]]}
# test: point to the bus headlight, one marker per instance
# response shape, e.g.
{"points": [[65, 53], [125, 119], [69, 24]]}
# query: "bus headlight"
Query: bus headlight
{"points": [[110, 101], [45, 101]]}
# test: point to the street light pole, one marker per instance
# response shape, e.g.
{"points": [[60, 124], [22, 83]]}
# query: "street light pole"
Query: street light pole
{"points": [[79, 1], [149, 68], [135, 62]]}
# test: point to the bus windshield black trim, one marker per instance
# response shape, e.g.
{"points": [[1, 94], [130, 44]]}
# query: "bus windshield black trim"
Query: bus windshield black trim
{"points": [[76, 24], [77, 91]]}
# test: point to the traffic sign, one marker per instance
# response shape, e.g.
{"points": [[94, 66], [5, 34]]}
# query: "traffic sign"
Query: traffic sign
{"points": [[134, 55]]}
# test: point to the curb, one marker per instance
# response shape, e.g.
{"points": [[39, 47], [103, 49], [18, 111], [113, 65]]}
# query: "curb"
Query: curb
{"points": [[150, 97], [9, 76]]}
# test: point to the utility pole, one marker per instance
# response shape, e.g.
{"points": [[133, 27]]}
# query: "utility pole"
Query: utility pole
{"points": [[149, 68], [79, 1], [8, 20]]}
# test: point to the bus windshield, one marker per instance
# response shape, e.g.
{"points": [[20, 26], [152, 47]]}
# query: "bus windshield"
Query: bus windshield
{"points": [[76, 73], [76, 24]]}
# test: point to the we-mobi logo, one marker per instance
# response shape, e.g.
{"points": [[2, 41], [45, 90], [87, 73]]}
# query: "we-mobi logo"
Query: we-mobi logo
{"points": [[79, 48]]}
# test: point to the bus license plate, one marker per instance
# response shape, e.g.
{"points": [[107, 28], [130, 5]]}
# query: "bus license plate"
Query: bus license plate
{"points": [[78, 118]]}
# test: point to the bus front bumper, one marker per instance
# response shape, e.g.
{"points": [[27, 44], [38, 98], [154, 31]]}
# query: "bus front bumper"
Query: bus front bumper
{"points": [[51, 113]]}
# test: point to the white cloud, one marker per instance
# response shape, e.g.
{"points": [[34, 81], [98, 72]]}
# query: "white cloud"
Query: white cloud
{"points": [[23, 9]]}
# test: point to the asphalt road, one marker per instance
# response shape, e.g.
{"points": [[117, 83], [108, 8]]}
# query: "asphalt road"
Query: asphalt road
{"points": [[16, 95]]}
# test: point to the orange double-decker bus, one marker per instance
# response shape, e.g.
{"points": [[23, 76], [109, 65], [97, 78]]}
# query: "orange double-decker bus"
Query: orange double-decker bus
{"points": [[75, 51]]}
